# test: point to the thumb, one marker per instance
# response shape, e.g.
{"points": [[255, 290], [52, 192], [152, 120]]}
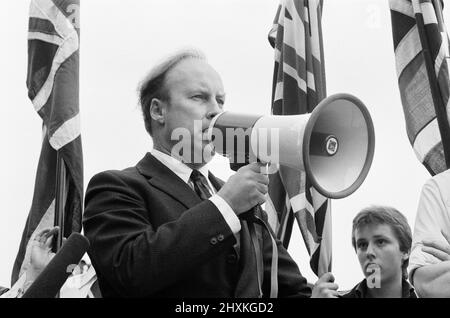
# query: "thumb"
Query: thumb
{"points": [[326, 278], [256, 166]]}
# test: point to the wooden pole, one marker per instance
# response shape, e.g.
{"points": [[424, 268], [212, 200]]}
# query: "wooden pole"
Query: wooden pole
{"points": [[438, 7], [60, 201]]}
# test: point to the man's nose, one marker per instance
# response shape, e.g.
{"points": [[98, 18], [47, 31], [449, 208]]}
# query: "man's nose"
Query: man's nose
{"points": [[370, 251], [211, 115], [214, 110]]}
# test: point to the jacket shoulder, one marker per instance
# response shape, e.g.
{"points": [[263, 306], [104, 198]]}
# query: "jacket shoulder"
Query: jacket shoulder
{"points": [[128, 174], [108, 185]]}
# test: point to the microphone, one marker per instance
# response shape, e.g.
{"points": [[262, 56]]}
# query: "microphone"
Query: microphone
{"points": [[55, 274]]}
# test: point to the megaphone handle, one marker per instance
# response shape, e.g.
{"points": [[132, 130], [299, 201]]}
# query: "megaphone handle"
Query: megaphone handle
{"points": [[250, 214]]}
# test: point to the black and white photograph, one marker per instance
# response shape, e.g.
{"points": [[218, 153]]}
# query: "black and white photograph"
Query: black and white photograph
{"points": [[221, 150]]}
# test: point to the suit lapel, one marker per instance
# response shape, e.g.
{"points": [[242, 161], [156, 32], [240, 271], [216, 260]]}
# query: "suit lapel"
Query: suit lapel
{"points": [[166, 180]]}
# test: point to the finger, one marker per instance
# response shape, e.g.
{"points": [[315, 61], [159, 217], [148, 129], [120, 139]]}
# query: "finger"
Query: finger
{"points": [[328, 294], [50, 236], [327, 277], [331, 294], [334, 294], [261, 188], [334, 287], [437, 245], [41, 235], [260, 178], [329, 286], [43, 232], [48, 242], [264, 179], [442, 256], [53, 231], [261, 198], [256, 166]]}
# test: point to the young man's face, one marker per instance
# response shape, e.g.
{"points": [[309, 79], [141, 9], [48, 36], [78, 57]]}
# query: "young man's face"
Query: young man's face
{"points": [[196, 95], [378, 251]]}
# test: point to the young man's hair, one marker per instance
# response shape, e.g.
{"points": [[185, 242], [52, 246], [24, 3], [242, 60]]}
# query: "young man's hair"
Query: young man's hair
{"points": [[389, 216], [153, 85]]}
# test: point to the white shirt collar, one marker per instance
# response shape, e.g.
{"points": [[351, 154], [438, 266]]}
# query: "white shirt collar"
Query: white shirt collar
{"points": [[177, 167]]}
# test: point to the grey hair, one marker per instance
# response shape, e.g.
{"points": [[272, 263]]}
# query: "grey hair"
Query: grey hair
{"points": [[153, 85]]}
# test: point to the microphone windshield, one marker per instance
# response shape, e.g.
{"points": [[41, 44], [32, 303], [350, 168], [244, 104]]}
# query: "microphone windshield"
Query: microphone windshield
{"points": [[53, 277]]}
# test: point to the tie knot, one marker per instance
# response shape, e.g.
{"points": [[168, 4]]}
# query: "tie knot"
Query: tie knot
{"points": [[200, 185], [197, 176]]}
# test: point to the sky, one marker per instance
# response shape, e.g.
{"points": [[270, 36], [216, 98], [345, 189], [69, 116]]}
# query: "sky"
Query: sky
{"points": [[121, 41]]}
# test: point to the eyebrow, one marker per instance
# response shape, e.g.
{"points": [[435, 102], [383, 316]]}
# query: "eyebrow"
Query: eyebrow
{"points": [[204, 90], [381, 236], [375, 237]]}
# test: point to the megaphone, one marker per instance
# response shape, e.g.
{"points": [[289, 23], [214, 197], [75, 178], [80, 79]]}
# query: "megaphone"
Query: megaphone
{"points": [[334, 144]]}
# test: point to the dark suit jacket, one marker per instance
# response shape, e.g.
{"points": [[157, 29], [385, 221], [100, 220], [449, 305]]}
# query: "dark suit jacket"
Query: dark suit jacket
{"points": [[152, 236], [361, 290]]}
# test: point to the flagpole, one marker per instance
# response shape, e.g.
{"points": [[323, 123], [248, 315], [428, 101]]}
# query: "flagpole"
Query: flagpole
{"points": [[440, 109], [60, 200], [437, 5]]}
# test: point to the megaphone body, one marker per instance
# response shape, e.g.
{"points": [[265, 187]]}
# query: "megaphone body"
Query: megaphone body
{"points": [[334, 144]]}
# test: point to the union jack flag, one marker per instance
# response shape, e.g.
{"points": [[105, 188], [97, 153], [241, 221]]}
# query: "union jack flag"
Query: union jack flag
{"points": [[298, 87], [422, 51], [53, 88]]}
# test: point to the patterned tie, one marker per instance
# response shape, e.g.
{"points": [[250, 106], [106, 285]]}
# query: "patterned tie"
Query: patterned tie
{"points": [[200, 185]]}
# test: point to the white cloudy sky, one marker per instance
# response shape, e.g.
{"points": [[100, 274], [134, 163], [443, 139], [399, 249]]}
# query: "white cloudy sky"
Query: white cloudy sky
{"points": [[121, 41]]}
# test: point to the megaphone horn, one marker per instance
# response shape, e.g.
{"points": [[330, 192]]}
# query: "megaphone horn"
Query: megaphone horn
{"points": [[334, 144]]}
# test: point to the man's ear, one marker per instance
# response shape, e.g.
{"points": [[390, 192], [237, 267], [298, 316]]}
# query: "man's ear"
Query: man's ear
{"points": [[158, 111]]}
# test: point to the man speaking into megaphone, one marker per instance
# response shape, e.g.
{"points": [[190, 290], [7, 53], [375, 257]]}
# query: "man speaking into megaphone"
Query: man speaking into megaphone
{"points": [[168, 227]]}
